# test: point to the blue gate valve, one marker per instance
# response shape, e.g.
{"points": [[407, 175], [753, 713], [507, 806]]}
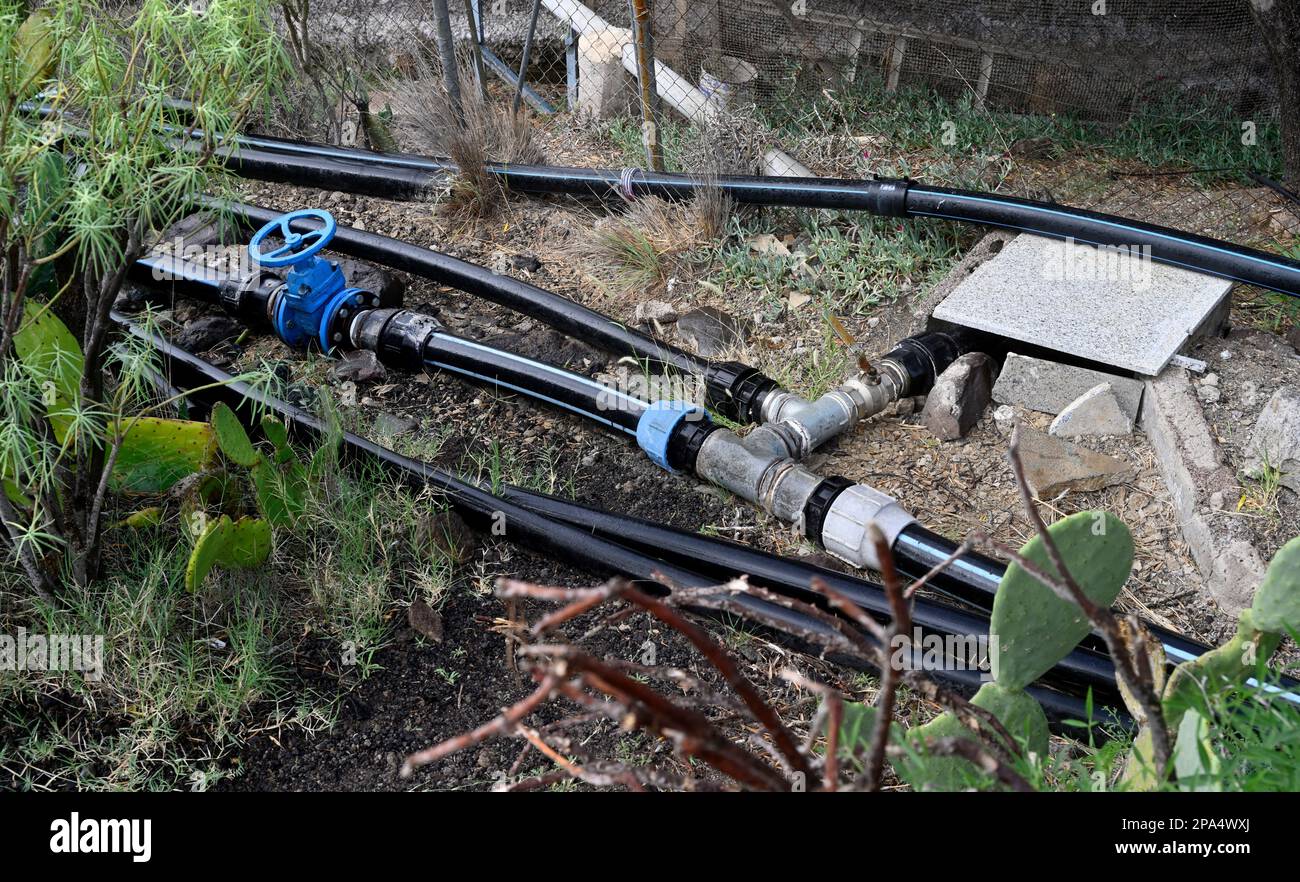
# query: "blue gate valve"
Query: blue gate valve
{"points": [[315, 292]]}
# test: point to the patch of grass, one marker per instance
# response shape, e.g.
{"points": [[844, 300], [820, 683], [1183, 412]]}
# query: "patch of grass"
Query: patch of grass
{"points": [[1170, 130], [496, 465], [186, 675], [848, 264]]}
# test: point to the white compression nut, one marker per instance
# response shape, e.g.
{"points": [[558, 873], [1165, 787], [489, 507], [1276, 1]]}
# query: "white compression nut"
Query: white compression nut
{"points": [[845, 528]]}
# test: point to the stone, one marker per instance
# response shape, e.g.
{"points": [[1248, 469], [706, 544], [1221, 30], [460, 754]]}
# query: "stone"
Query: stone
{"points": [[1108, 305], [425, 620], [368, 277], [1053, 466], [207, 332], [360, 366], [1004, 418], [526, 263], [1200, 484], [1275, 442], [1208, 394], [389, 425], [656, 311], [1050, 387], [959, 396], [1095, 413], [711, 331]]}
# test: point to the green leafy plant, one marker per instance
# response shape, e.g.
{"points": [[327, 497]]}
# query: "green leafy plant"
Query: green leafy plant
{"points": [[83, 194], [278, 486]]}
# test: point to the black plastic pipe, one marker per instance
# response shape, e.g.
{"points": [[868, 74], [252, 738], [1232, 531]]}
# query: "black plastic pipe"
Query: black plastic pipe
{"points": [[972, 578], [554, 538], [556, 386], [561, 313], [363, 171]]}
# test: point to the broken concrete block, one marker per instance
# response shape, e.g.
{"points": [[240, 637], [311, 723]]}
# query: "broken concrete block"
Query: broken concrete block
{"points": [[1276, 440], [1111, 305], [1049, 386], [1199, 482], [1095, 413], [606, 86], [1053, 466], [959, 396]]}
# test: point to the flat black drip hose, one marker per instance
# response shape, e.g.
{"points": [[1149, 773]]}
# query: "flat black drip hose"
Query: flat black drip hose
{"points": [[582, 547]]}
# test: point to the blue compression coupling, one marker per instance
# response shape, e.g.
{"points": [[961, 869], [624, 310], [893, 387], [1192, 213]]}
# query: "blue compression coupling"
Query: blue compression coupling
{"points": [[657, 424]]}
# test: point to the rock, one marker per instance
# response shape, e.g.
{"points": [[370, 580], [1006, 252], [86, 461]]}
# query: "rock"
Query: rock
{"points": [[1095, 412], [1249, 393], [360, 366], [1053, 466], [528, 263], [369, 277], [204, 333], [1033, 148], [1276, 440], [959, 397], [1208, 394], [389, 425], [656, 311], [711, 331], [1049, 386], [425, 620], [1293, 337], [1004, 417]]}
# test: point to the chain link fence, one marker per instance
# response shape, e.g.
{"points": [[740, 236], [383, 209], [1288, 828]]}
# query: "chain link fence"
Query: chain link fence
{"points": [[1162, 111]]}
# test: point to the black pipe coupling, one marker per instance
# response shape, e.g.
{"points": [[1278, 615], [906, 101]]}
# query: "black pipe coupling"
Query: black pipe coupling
{"points": [[396, 336], [888, 197], [737, 390], [251, 298]]}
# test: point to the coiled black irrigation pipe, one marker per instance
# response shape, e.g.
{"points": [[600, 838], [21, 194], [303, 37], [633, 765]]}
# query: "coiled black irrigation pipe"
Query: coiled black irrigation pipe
{"points": [[574, 533], [403, 175]]}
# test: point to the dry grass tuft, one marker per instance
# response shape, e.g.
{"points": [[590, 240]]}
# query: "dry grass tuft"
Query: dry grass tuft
{"points": [[655, 240], [482, 132]]}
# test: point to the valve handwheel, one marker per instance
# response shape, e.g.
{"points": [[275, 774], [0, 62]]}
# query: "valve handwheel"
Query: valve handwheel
{"points": [[297, 247]]}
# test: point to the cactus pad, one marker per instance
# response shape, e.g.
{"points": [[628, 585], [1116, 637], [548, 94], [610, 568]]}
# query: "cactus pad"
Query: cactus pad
{"points": [[1034, 628], [232, 438], [211, 545], [1277, 601], [156, 453], [248, 545]]}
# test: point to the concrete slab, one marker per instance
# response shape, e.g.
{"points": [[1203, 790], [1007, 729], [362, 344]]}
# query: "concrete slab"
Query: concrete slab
{"points": [[1050, 387], [1109, 305]]}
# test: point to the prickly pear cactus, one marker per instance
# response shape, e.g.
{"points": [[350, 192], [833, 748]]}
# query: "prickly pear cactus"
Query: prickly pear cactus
{"points": [[53, 358], [209, 547], [248, 545], [1219, 668], [281, 491], [1020, 715], [278, 435], [1035, 629], [232, 438], [1276, 606], [156, 453]]}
